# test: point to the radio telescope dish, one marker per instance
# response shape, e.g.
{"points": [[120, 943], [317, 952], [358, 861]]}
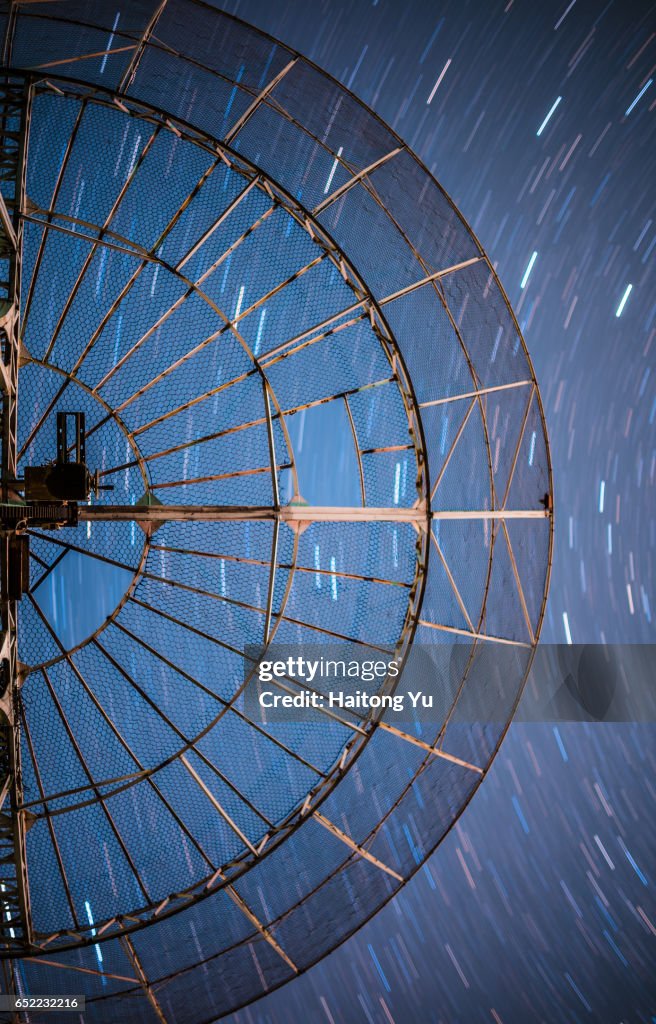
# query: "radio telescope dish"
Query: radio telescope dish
{"points": [[260, 385]]}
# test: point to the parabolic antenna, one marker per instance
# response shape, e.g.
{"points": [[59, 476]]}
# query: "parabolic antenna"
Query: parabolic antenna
{"points": [[260, 385]]}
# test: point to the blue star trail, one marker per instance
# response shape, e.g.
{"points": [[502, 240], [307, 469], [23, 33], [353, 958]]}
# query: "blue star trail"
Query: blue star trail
{"points": [[539, 120]]}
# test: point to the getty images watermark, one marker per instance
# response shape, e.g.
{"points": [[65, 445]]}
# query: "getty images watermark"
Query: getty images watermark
{"points": [[301, 682], [333, 683]]}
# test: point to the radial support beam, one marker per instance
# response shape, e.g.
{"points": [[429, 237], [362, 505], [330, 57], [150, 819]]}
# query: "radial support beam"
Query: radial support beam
{"points": [[474, 636], [296, 515], [58, 965], [343, 189], [352, 845], [262, 929], [15, 917], [435, 751], [290, 514], [132, 68], [148, 991], [437, 276], [257, 102], [217, 806], [492, 514]]}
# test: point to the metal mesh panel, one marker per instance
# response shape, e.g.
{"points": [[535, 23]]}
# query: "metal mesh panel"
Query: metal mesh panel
{"points": [[436, 359], [219, 105], [385, 262], [246, 969], [232, 49], [458, 455], [327, 112], [486, 325], [342, 361], [37, 44], [304, 165], [132, 20]]}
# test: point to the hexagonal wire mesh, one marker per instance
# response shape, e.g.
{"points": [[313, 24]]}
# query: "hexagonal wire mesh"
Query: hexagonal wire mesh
{"points": [[257, 294]]}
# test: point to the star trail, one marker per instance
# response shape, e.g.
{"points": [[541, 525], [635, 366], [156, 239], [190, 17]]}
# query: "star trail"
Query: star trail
{"points": [[539, 122]]}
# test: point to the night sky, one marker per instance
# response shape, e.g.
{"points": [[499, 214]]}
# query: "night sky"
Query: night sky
{"points": [[538, 119]]}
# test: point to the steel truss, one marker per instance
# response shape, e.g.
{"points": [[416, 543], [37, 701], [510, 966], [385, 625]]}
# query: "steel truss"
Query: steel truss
{"points": [[295, 516], [15, 916], [150, 515]]}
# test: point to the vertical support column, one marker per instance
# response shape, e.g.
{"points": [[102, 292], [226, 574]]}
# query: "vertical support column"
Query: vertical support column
{"points": [[14, 125], [9, 988], [15, 916]]}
